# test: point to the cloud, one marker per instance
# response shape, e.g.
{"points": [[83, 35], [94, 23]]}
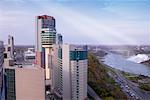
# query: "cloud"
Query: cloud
{"points": [[91, 25]]}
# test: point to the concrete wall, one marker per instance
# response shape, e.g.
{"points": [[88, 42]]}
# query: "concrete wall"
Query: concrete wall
{"points": [[30, 84], [82, 73], [47, 65], [66, 72], [40, 60]]}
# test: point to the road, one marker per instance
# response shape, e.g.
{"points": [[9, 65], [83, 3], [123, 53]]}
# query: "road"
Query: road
{"points": [[138, 92], [92, 93], [132, 91]]}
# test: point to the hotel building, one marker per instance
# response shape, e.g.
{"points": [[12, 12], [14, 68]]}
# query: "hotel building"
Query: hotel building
{"points": [[69, 71], [45, 38]]}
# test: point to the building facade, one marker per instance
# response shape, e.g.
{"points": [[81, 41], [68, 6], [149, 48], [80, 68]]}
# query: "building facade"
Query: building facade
{"points": [[45, 38], [9, 51], [1, 63], [11, 46], [1, 55], [59, 39], [24, 83], [69, 72]]}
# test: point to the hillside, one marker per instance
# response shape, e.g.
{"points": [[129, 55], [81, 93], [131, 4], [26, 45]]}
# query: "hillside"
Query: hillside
{"points": [[100, 81]]}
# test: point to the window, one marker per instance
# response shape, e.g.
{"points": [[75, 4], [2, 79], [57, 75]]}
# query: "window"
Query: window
{"points": [[43, 31], [5, 55], [77, 91]]}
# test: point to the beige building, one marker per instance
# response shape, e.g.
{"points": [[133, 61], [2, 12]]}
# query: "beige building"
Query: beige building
{"points": [[24, 83]]}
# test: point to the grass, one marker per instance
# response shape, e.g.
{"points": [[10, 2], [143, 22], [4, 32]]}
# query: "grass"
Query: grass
{"points": [[131, 77], [135, 79], [145, 86], [100, 81]]}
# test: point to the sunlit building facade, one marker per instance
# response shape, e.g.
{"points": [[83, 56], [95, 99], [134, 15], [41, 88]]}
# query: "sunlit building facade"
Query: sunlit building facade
{"points": [[45, 38], [69, 72], [24, 83], [9, 51], [11, 46]]}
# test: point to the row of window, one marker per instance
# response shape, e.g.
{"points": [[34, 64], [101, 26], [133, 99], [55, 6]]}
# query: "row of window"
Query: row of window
{"points": [[10, 84], [77, 91], [48, 40], [78, 55]]}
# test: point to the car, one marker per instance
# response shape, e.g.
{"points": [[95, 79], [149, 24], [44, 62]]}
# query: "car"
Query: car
{"points": [[122, 86], [137, 98], [132, 94], [126, 85], [127, 91]]}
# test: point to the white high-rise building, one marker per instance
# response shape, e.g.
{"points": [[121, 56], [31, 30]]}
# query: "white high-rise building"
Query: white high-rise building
{"points": [[45, 38], [11, 46], [9, 51], [69, 71], [59, 39]]}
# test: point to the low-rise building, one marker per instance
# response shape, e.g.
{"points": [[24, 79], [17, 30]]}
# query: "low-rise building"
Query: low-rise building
{"points": [[24, 83]]}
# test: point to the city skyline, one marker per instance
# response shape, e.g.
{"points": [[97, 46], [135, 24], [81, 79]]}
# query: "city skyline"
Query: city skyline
{"points": [[80, 22], [74, 50]]}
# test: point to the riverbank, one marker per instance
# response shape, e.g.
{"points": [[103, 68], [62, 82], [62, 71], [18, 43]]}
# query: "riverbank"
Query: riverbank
{"points": [[99, 79], [120, 63], [143, 82]]}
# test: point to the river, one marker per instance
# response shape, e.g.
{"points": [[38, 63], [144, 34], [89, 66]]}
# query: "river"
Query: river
{"points": [[119, 62]]}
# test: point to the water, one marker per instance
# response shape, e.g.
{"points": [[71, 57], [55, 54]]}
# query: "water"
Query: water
{"points": [[119, 62]]}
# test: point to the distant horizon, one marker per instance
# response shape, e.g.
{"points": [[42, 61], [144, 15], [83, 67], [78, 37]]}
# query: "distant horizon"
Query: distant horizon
{"points": [[92, 45], [124, 22]]}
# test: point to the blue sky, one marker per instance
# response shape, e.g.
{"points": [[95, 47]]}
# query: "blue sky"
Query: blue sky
{"points": [[79, 21]]}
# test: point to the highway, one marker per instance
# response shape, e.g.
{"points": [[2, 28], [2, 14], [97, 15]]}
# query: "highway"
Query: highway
{"points": [[135, 91], [132, 91]]}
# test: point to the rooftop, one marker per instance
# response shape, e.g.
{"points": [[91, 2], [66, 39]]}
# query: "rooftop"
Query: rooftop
{"points": [[45, 17]]}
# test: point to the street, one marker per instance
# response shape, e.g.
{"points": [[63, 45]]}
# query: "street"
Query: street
{"points": [[130, 89]]}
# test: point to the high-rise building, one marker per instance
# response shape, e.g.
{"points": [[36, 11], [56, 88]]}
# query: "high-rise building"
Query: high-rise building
{"points": [[45, 38], [9, 51], [1, 63], [59, 39], [24, 83], [11, 46], [69, 72]]}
